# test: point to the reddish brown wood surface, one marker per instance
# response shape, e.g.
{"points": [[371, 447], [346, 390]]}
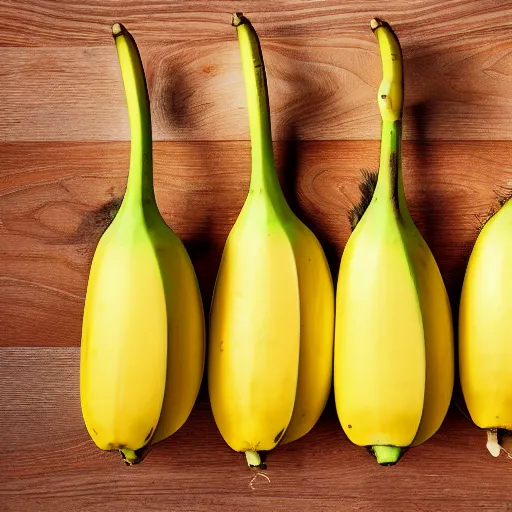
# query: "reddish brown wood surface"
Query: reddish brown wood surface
{"points": [[321, 57], [56, 200], [320, 91], [67, 23], [49, 463], [63, 164]]}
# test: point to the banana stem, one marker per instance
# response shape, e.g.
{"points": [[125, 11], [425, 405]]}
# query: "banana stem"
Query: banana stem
{"points": [[387, 455], [263, 176], [389, 182], [492, 442], [139, 189], [129, 456], [390, 99], [253, 459], [391, 90]]}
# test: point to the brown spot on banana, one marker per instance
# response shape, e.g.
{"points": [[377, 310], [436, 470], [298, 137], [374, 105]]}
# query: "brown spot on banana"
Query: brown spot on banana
{"points": [[279, 436], [149, 434], [393, 165]]}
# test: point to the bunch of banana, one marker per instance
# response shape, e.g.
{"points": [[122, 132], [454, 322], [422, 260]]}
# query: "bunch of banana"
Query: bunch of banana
{"points": [[485, 326], [393, 355], [272, 317], [142, 351]]}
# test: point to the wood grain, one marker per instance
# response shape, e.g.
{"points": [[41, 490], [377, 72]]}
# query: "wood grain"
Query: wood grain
{"points": [[321, 88], [66, 22], [49, 463], [63, 162], [56, 199]]}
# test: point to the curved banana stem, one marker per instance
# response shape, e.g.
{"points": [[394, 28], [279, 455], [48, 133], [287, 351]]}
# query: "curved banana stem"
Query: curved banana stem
{"points": [[139, 189], [263, 175], [390, 99], [391, 90]]}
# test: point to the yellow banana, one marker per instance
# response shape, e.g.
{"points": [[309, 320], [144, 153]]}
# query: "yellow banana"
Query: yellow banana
{"points": [[270, 355], [485, 324], [393, 356], [142, 350]]}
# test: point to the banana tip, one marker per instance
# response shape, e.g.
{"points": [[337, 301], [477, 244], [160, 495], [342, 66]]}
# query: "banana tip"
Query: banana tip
{"points": [[376, 23], [237, 19], [117, 29]]}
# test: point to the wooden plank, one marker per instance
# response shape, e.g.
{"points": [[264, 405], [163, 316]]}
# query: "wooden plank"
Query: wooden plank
{"points": [[49, 463], [64, 156], [66, 22], [321, 89], [57, 198]]}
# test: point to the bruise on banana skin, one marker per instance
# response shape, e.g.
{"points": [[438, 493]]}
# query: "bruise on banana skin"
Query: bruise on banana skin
{"points": [[393, 165]]}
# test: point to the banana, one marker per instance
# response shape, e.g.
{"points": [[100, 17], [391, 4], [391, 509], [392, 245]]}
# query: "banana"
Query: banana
{"points": [[393, 355], [272, 316], [485, 323], [142, 350]]}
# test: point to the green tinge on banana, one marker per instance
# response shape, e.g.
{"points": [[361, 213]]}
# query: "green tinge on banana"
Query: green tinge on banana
{"points": [[142, 350], [271, 330], [263, 175], [253, 459], [140, 177], [390, 99], [139, 188], [394, 334], [387, 455]]}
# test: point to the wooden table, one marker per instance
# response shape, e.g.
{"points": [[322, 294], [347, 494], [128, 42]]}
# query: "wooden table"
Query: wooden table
{"points": [[63, 161]]}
